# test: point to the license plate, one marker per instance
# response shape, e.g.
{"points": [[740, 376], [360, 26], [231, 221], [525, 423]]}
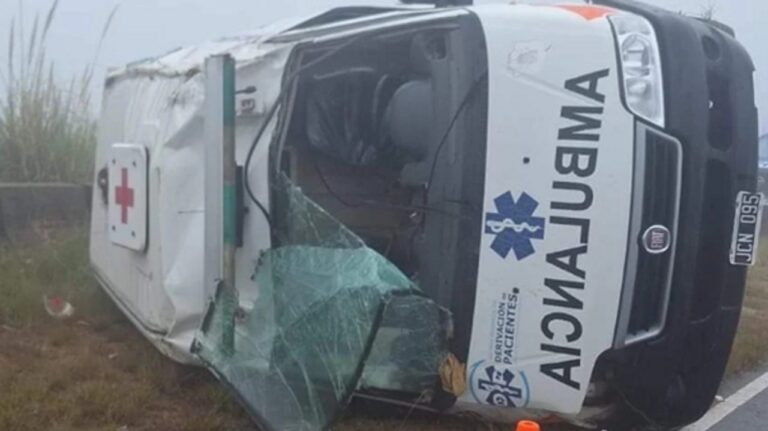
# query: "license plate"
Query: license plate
{"points": [[746, 228]]}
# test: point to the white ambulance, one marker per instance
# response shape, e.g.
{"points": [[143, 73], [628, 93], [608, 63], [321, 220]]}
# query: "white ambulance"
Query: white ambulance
{"points": [[541, 211]]}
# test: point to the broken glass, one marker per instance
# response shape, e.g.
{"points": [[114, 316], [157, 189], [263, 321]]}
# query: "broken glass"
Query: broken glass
{"points": [[332, 316]]}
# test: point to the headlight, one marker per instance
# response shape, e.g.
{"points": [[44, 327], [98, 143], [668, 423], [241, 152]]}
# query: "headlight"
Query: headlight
{"points": [[641, 66]]}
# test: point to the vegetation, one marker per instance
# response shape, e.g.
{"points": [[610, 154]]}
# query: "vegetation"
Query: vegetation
{"points": [[94, 370], [751, 346], [47, 133], [708, 11]]}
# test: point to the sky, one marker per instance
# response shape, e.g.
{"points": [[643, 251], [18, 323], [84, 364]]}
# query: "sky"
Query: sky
{"points": [[145, 28]]}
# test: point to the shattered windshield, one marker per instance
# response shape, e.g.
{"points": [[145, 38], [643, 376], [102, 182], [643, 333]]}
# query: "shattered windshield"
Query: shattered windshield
{"points": [[332, 315]]}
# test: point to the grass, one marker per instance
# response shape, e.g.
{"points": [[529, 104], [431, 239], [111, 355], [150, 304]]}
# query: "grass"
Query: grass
{"points": [[750, 348], [47, 133], [94, 371], [58, 267]]}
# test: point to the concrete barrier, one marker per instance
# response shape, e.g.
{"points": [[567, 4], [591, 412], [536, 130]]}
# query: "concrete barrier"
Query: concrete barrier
{"points": [[27, 210]]}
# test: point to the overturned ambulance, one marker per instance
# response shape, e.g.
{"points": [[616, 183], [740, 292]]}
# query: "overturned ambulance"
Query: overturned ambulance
{"points": [[511, 210]]}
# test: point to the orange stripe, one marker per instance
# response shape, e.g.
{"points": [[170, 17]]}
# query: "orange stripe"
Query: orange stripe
{"points": [[588, 12]]}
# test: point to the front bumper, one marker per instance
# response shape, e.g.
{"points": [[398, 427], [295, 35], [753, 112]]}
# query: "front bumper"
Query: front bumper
{"points": [[673, 378]]}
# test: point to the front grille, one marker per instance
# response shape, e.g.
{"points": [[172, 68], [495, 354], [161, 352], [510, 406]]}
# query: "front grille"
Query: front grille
{"points": [[659, 207], [720, 125], [655, 201], [714, 238]]}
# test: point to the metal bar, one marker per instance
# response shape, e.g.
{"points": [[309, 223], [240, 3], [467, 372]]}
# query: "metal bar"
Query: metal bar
{"points": [[229, 171], [220, 193]]}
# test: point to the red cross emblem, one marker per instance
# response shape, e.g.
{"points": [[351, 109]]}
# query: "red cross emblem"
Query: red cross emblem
{"points": [[124, 196]]}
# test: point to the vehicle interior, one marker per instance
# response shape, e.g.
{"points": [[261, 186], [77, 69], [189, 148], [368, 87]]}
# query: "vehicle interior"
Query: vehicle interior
{"points": [[389, 138], [362, 133]]}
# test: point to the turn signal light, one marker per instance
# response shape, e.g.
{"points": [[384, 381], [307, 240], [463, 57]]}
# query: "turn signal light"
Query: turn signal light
{"points": [[527, 426]]}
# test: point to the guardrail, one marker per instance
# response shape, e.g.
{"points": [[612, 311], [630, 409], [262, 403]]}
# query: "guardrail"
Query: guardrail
{"points": [[29, 210]]}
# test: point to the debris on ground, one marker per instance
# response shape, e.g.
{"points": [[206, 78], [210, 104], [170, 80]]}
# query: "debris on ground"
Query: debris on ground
{"points": [[57, 307]]}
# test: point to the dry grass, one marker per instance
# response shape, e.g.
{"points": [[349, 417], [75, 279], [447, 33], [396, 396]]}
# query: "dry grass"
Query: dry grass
{"points": [[78, 377], [47, 132], [751, 345], [94, 371]]}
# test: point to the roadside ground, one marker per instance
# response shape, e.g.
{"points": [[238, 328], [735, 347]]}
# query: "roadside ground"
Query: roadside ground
{"points": [[94, 371]]}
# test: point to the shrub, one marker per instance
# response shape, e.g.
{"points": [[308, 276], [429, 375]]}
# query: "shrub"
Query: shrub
{"points": [[47, 132]]}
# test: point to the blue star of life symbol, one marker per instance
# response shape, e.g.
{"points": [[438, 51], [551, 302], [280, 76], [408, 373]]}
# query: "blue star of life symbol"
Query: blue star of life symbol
{"points": [[514, 225]]}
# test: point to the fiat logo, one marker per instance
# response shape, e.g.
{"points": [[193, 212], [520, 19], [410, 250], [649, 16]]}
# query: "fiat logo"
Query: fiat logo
{"points": [[657, 239]]}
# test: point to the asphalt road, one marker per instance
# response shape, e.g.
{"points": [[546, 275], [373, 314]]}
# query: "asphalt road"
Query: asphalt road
{"points": [[746, 409], [751, 416]]}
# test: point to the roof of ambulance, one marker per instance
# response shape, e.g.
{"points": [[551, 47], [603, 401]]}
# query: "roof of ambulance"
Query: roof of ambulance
{"points": [[256, 44]]}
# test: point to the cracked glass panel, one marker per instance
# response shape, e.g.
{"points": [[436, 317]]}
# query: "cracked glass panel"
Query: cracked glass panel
{"points": [[332, 316]]}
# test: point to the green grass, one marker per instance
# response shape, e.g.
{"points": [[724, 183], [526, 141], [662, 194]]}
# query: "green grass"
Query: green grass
{"points": [[56, 267], [47, 133]]}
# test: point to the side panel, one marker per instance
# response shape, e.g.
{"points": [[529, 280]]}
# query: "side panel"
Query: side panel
{"points": [[137, 111], [161, 288]]}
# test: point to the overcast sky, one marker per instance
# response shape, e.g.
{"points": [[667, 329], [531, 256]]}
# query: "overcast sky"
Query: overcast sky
{"points": [[144, 28]]}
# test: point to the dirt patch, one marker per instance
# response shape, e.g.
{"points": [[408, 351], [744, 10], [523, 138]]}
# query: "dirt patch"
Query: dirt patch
{"points": [[103, 376], [93, 371], [77, 375]]}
